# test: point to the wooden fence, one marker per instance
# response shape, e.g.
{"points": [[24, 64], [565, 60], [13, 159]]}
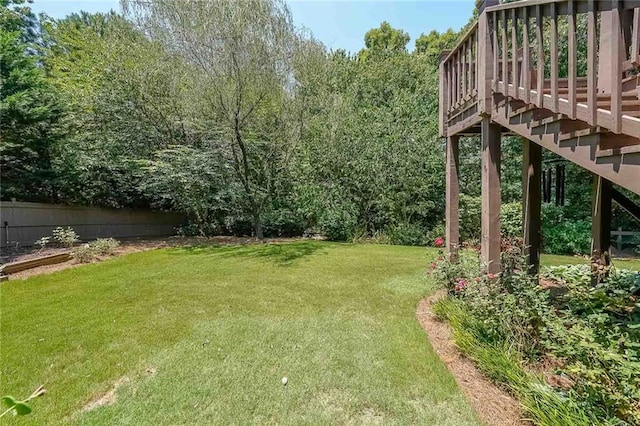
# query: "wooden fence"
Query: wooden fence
{"points": [[23, 223], [618, 237]]}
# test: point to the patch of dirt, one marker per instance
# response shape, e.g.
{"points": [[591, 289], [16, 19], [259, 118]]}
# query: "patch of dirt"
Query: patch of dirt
{"points": [[132, 246], [108, 398], [493, 405]]}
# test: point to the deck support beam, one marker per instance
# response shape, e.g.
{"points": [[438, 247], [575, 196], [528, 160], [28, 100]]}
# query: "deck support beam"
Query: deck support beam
{"points": [[601, 215], [531, 202], [491, 195], [452, 233]]}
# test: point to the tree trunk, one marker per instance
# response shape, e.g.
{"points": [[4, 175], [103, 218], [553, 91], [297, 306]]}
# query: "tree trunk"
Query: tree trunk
{"points": [[257, 226]]}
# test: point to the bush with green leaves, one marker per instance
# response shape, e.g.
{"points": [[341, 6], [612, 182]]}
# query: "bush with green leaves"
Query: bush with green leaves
{"points": [[84, 253], [589, 330], [561, 235], [511, 219], [87, 253], [41, 243], [406, 234], [104, 246], [338, 224], [65, 237]]}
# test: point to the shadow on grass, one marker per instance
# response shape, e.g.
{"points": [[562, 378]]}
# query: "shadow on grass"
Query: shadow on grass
{"points": [[282, 254]]}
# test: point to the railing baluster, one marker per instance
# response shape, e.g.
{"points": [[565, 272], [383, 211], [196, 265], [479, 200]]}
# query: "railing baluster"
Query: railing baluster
{"points": [[476, 59], [449, 87], [572, 71], [540, 64], [459, 79], [635, 36], [554, 57], [616, 69], [496, 72], [505, 56], [592, 65], [514, 52], [464, 70], [526, 74]]}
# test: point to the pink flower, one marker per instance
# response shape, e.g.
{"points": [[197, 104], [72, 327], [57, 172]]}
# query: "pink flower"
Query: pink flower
{"points": [[439, 242], [491, 276], [461, 284], [433, 265]]}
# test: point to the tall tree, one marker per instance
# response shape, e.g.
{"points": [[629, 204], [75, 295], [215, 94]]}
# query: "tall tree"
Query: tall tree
{"points": [[29, 111], [384, 40], [244, 53]]}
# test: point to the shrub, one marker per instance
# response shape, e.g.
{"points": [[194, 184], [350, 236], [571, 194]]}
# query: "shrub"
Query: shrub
{"points": [[65, 237], [282, 222], [511, 218], [87, 253], [470, 217], [567, 237], [104, 246], [338, 224], [406, 234], [435, 232], [42, 242], [589, 333], [564, 236], [84, 253]]}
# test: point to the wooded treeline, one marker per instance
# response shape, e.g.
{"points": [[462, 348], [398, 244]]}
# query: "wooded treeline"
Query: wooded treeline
{"points": [[227, 111]]}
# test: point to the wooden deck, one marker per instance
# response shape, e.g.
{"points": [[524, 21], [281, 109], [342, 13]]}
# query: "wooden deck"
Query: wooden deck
{"points": [[565, 76]]}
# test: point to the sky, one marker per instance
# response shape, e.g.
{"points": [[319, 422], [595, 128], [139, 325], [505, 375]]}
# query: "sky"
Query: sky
{"points": [[337, 24]]}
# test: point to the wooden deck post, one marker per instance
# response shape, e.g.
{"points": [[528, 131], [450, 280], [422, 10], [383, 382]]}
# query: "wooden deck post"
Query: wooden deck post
{"points": [[601, 215], [531, 202], [491, 196], [452, 195]]}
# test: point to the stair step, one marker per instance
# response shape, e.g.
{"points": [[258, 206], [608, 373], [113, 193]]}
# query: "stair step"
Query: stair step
{"points": [[625, 150], [548, 120], [582, 133]]}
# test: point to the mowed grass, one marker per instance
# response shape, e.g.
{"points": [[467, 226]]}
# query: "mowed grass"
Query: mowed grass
{"points": [[204, 335], [554, 260]]}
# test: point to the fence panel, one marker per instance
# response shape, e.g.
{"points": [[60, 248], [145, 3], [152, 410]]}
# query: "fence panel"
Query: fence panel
{"points": [[24, 223]]}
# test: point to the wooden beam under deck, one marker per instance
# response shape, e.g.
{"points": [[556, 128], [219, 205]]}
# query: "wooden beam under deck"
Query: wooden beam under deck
{"points": [[581, 151]]}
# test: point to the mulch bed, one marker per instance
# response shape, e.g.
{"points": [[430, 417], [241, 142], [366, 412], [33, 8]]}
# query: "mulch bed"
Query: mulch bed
{"points": [[493, 405]]}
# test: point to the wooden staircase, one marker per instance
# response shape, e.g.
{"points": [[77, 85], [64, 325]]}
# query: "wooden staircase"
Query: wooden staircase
{"points": [[530, 69]]}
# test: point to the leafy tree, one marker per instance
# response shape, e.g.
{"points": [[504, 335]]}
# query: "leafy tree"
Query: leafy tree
{"points": [[384, 41], [434, 43], [29, 125], [243, 52]]}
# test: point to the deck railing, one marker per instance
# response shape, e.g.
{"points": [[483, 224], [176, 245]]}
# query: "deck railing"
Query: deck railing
{"points": [[577, 58]]}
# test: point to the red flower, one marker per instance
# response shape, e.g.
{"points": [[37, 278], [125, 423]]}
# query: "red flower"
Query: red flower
{"points": [[439, 242]]}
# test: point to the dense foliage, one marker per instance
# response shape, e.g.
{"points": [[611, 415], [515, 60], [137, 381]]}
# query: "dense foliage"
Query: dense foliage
{"points": [[226, 111], [567, 346]]}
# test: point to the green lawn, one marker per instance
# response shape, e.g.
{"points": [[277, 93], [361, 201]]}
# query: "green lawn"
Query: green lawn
{"points": [[204, 335], [552, 259]]}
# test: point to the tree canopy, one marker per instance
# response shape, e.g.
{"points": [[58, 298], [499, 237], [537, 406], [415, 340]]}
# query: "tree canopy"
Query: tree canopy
{"points": [[227, 111]]}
